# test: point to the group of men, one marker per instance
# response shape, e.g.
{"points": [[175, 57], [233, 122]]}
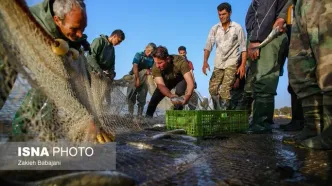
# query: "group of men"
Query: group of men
{"points": [[306, 42], [245, 72]]}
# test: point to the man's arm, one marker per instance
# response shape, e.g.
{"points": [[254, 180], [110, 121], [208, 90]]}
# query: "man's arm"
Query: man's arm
{"points": [[137, 59], [266, 12], [136, 75], [283, 17], [191, 69], [208, 48], [284, 10], [190, 86], [96, 48], [243, 48], [111, 69], [162, 87]]}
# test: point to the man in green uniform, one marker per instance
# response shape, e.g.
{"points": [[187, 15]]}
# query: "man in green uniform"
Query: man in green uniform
{"points": [[170, 71], [101, 57], [266, 62], [62, 20], [142, 64], [310, 71]]}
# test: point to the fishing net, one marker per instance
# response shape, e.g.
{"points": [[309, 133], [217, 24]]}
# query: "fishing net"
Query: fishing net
{"points": [[65, 99], [59, 99]]}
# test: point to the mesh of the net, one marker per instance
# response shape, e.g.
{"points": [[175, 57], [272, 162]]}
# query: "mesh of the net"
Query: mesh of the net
{"points": [[68, 100]]}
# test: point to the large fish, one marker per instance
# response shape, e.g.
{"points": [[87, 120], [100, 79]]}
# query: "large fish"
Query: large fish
{"points": [[273, 34]]}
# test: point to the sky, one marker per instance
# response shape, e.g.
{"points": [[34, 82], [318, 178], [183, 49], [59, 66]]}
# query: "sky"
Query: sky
{"points": [[170, 23]]}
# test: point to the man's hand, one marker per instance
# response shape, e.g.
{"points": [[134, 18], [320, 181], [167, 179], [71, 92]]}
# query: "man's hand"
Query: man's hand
{"points": [[280, 22], [111, 76], [174, 99], [241, 71], [186, 99], [205, 66], [93, 133], [98, 73], [148, 71], [236, 84], [253, 52], [137, 82]]}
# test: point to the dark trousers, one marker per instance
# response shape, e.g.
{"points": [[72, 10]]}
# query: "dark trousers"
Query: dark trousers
{"points": [[180, 89]]}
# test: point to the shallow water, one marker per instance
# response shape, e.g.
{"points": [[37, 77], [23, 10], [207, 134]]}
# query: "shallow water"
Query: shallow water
{"points": [[236, 159]]}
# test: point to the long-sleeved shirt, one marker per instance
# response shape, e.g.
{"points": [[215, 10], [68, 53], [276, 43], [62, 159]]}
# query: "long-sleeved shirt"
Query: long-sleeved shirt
{"points": [[261, 16], [229, 44], [102, 55], [284, 11]]}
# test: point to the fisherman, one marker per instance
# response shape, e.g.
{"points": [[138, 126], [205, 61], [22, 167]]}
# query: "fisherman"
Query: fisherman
{"points": [[142, 64], [230, 42], [62, 20], [101, 58], [170, 71], [266, 62], [310, 71], [45, 17]]}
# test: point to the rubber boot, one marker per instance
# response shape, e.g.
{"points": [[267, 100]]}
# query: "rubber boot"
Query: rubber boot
{"points": [[324, 140], [216, 102], [312, 110], [297, 121], [262, 115]]}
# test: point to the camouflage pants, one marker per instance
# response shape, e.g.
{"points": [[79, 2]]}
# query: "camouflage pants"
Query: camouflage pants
{"points": [[310, 63], [221, 82], [310, 55]]}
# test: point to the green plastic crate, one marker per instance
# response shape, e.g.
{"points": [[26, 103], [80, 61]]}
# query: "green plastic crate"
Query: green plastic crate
{"points": [[207, 122]]}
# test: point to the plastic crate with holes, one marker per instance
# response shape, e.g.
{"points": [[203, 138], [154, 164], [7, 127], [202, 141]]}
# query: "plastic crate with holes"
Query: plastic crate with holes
{"points": [[202, 123]]}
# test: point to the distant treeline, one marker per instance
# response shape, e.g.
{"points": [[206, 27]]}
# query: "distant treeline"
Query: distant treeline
{"points": [[283, 111]]}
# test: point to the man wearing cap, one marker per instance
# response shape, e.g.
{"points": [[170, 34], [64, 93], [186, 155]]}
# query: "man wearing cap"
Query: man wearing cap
{"points": [[142, 63]]}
